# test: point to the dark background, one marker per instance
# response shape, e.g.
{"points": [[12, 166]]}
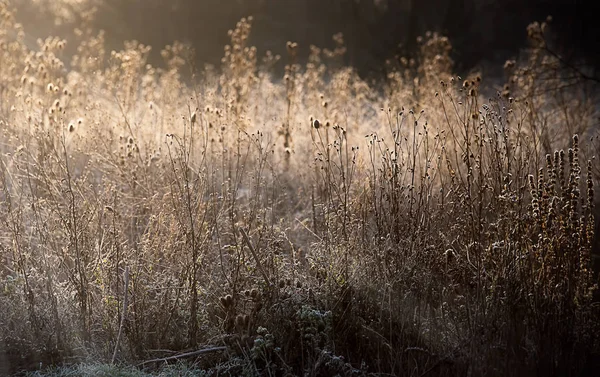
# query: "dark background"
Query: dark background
{"points": [[374, 30]]}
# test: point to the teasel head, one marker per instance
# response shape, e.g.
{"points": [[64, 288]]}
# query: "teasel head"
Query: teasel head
{"points": [[563, 181], [241, 322], [540, 184], [552, 173], [571, 154], [226, 301], [549, 162], [292, 48], [576, 165], [574, 193], [582, 240], [532, 188], [551, 215], [590, 186], [535, 204], [589, 228]]}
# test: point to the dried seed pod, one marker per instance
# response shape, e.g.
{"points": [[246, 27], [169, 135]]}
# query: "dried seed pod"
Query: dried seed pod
{"points": [[239, 321], [226, 301]]}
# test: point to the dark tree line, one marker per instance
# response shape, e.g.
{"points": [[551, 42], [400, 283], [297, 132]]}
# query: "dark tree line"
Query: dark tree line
{"points": [[374, 30]]}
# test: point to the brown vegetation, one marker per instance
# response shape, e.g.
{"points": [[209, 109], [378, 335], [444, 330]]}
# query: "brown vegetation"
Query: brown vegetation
{"points": [[305, 225]]}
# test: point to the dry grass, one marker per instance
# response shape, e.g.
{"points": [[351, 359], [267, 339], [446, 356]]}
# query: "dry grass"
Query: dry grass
{"points": [[310, 224]]}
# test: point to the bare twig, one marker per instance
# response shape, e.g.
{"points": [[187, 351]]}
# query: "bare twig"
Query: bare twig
{"points": [[123, 314], [258, 264], [572, 66], [182, 355]]}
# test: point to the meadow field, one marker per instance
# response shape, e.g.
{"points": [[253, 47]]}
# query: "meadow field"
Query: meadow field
{"points": [[178, 219]]}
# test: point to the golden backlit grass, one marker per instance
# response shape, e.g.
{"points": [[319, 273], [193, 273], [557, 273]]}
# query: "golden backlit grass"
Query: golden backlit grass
{"points": [[310, 224]]}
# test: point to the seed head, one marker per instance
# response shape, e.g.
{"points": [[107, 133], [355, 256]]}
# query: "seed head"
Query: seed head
{"points": [[239, 321], [291, 48], [531, 183]]}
